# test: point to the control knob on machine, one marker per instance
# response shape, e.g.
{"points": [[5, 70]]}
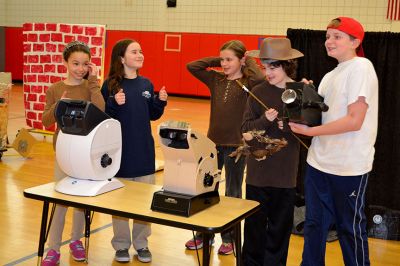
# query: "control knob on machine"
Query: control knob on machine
{"points": [[208, 180], [105, 160]]}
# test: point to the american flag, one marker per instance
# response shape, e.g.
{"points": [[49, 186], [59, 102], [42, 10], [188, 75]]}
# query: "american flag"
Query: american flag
{"points": [[393, 10]]}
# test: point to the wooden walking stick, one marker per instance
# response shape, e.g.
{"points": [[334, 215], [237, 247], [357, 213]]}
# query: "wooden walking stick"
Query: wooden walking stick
{"points": [[266, 108]]}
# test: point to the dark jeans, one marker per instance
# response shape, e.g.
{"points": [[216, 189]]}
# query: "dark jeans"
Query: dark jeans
{"points": [[233, 171], [267, 232], [339, 199], [233, 179]]}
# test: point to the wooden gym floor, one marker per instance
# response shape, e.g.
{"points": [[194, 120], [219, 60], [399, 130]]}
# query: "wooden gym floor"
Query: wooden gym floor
{"points": [[20, 222]]}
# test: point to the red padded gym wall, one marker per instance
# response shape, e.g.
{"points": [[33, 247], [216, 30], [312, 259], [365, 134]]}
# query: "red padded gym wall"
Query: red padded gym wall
{"points": [[167, 53], [164, 67], [190, 51], [13, 59]]}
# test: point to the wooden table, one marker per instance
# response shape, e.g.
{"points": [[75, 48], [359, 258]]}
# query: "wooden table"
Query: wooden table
{"points": [[134, 200]]}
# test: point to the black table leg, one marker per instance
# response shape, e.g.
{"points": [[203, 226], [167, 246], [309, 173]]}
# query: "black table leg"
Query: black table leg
{"points": [[206, 249], [43, 228], [238, 244], [87, 234]]}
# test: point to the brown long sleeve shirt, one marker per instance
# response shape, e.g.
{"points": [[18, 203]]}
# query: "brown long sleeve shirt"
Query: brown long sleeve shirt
{"points": [[280, 169], [228, 99], [89, 90]]}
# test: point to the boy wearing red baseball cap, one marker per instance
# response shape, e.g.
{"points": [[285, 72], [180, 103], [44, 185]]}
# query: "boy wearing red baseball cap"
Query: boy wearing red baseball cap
{"points": [[342, 149]]}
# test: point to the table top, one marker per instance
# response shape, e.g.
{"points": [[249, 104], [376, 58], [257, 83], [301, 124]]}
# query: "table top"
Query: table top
{"points": [[134, 201]]}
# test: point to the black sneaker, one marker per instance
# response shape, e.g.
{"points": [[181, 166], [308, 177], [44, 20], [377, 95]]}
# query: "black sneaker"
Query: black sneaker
{"points": [[122, 255], [144, 255]]}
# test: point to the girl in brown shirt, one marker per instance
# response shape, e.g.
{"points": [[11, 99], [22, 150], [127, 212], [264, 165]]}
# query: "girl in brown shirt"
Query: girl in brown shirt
{"points": [[76, 57], [227, 106]]}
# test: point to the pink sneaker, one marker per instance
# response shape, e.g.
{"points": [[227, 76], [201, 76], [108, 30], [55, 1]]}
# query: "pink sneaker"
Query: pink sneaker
{"points": [[52, 258], [77, 250], [191, 244], [225, 249]]}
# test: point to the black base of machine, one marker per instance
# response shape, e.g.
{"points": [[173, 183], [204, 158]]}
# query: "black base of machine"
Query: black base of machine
{"points": [[182, 204]]}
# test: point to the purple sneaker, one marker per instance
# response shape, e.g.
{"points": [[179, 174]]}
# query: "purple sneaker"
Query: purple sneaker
{"points": [[52, 258], [225, 249], [191, 244], [77, 250]]}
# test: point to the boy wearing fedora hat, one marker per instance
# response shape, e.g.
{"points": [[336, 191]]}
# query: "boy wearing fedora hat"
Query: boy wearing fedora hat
{"points": [[342, 149], [271, 181]]}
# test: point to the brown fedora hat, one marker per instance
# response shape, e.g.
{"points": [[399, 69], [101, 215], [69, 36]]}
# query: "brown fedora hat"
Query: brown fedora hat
{"points": [[275, 49]]}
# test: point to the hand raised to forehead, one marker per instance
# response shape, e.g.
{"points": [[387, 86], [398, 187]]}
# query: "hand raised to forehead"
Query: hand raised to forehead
{"points": [[93, 69]]}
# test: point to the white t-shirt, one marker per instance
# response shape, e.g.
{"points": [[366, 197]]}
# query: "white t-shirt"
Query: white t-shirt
{"points": [[351, 153]]}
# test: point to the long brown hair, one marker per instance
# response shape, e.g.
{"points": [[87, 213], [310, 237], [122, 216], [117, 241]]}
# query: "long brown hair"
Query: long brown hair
{"points": [[117, 71], [238, 48]]}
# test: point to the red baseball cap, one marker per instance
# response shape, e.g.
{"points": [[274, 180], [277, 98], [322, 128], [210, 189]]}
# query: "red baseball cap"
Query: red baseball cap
{"points": [[349, 26]]}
